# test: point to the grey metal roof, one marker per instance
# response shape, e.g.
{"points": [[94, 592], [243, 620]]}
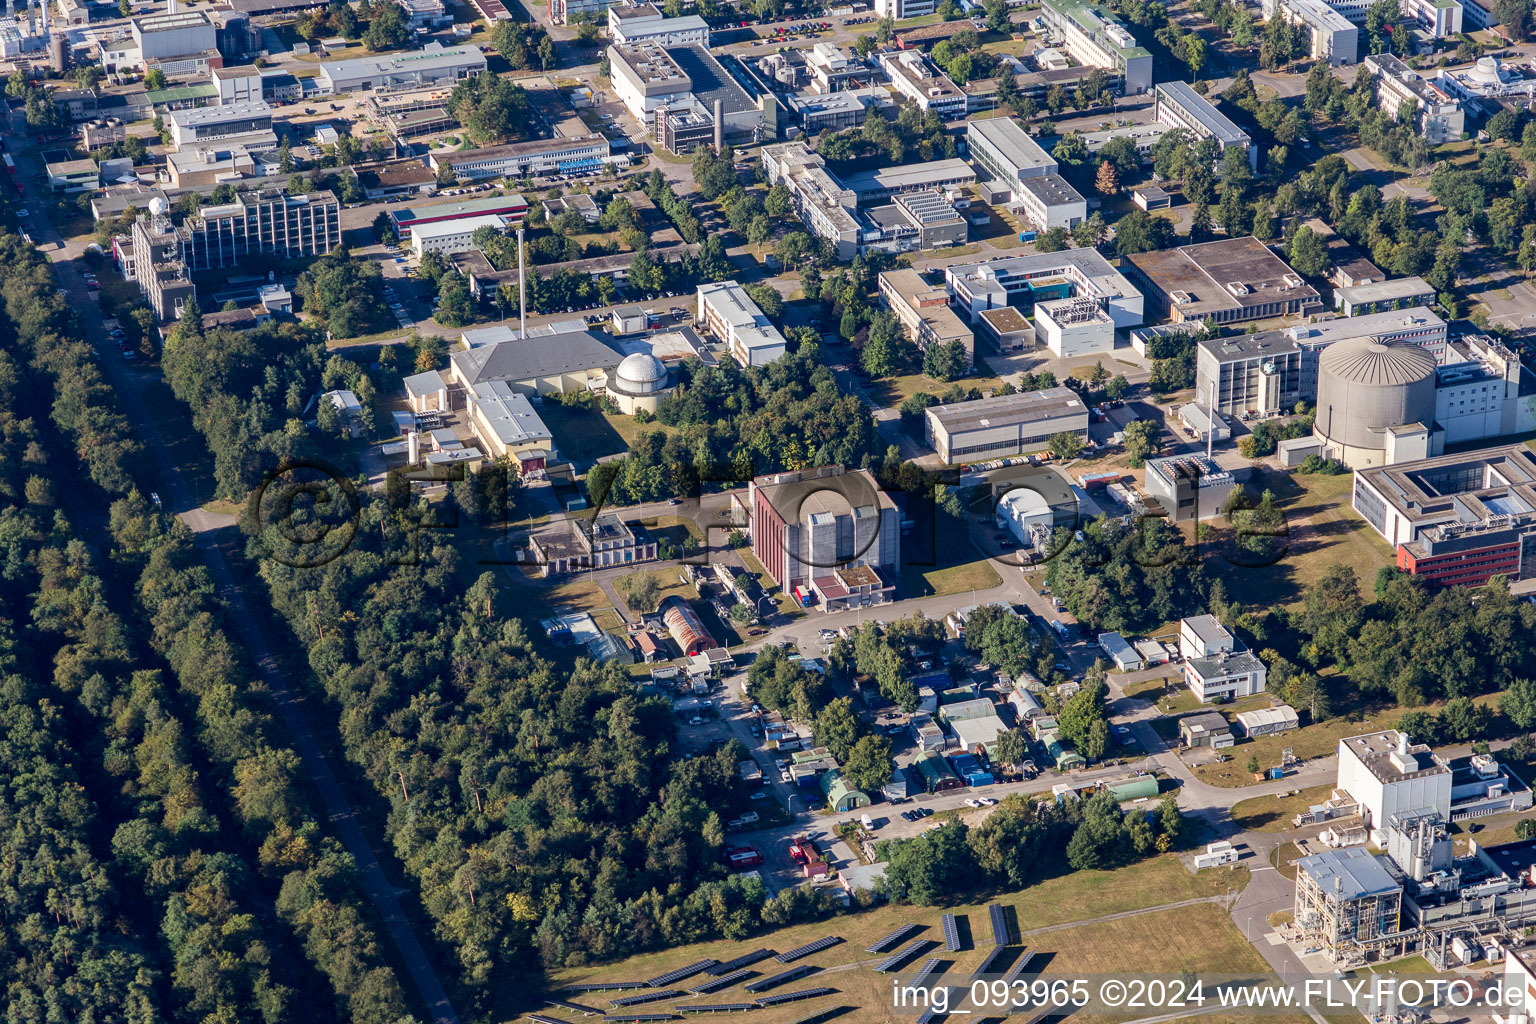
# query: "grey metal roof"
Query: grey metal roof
{"points": [[1009, 138], [1220, 127], [1006, 410], [536, 356], [1350, 873], [1377, 363]]}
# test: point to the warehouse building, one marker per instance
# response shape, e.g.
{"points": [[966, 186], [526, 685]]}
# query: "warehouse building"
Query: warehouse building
{"points": [[1332, 37], [581, 154], [208, 124], [1455, 520], [1187, 486], [1034, 277], [1004, 425], [827, 535], [1092, 36], [883, 183], [1383, 296], [1206, 729], [1263, 373], [1230, 280], [1437, 115], [1266, 721], [726, 311], [1179, 106], [506, 425], [428, 66], [1049, 201], [924, 312]]}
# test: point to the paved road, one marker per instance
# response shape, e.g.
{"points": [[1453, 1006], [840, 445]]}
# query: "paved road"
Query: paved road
{"points": [[172, 487]]}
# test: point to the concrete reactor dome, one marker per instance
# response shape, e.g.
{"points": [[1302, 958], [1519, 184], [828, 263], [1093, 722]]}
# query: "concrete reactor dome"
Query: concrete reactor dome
{"points": [[1485, 71], [641, 374], [1367, 390]]}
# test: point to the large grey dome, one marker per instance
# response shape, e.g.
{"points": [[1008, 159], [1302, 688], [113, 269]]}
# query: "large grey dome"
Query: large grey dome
{"points": [[640, 374], [1377, 363]]}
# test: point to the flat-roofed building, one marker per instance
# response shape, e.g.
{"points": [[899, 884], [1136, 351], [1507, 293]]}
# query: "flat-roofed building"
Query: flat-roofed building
{"points": [[1438, 18], [1332, 36], [1004, 425], [932, 218], [833, 70], [1091, 35], [645, 23], [913, 76], [512, 207], [1383, 296], [900, 10], [1007, 153], [209, 124], [1437, 115], [1143, 137], [1050, 201], [1074, 327], [209, 165], [450, 236], [830, 533], [413, 68], [1179, 106], [646, 77], [883, 183], [1230, 280], [1261, 374], [826, 207], [506, 425], [267, 221], [238, 84], [163, 37], [924, 312], [976, 287], [726, 311], [1188, 486], [1009, 328], [834, 111], [585, 154], [561, 12], [1456, 520]]}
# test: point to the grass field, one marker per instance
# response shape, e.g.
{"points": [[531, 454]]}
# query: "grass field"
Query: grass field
{"points": [[1274, 813], [955, 579], [892, 391], [1283, 859], [582, 434]]}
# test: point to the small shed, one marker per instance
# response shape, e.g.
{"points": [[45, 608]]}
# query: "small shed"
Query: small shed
{"points": [[902, 786], [1207, 729], [1121, 653], [937, 775], [840, 795], [1152, 652], [1064, 757], [1151, 198], [629, 320], [970, 768], [1135, 788], [1266, 721], [1202, 420], [1293, 451]]}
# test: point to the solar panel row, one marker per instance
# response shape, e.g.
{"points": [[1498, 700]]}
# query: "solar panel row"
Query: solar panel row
{"points": [[741, 961], [989, 964], [808, 949], [951, 933], [1019, 965], [539, 1018], [715, 1008], [792, 997], [818, 1016], [716, 984], [604, 986], [904, 956], [638, 1018], [1000, 932], [698, 967], [890, 941], [646, 997], [783, 978], [587, 1011]]}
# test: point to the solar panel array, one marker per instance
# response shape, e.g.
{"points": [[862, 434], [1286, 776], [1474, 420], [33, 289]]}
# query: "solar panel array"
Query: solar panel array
{"points": [[808, 949], [905, 955], [933, 965], [604, 986], [646, 997], [783, 978], [1018, 968], [698, 967], [989, 965], [793, 997], [539, 1018], [741, 961], [818, 1016], [1000, 933], [892, 940], [716, 984], [638, 1018], [584, 1010], [715, 1007], [951, 933]]}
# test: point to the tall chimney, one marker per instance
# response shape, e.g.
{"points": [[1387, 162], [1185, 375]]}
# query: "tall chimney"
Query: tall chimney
{"points": [[719, 126], [413, 445], [522, 288]]}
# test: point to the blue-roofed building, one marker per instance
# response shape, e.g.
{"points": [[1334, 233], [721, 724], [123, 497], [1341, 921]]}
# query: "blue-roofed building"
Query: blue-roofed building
{"points": [[1348, 902], [970, 768]]}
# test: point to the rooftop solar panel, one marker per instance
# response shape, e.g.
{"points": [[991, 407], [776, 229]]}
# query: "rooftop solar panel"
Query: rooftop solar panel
{"points": [[792, 997], [646, 997], [892, 940], [808, 949], [698, 967], [742, 961], [783, 978], [724, 981]]}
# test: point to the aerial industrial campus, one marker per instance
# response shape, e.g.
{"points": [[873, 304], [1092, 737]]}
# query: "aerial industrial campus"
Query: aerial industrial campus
{"points": [[799, 510]]}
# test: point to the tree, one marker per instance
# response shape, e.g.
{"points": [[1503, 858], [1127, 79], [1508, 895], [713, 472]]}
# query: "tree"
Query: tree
{"points": [[778, 203], [1307, 252], [1139, 231], [1519, 703], [838, 728], [125, 8], [1071, 150], [1051, 240], [389, 30], [1010, 748], [868, 764], [1065, 445], [1116, 387], [1195, 54], [86, 76], [882, 355], [945, 361], [1142, 438], [1108, 179], [154, 79]]}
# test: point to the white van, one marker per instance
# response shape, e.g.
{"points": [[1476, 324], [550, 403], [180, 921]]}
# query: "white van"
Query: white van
{"points": [[864, 819]]}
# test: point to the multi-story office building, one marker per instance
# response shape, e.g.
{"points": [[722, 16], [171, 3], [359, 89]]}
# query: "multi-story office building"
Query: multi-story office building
{"points": [[1041, 276], [1092, 36], [1383, 296], [269, 221], [1049, 202], [1179, 106], [1260, 374], [924, 312], [1006, 154], [1230, 280], [209, 124], [913, 76], [1334, 39], [158, 268], [583, 154], [414, 68], [1004, 425], [645, 78], [426, 14], [1440, 18], [644, 23], [1436, 114], [726, 311], [562, 11], [826, 207], [450, 236], [903, 9]]}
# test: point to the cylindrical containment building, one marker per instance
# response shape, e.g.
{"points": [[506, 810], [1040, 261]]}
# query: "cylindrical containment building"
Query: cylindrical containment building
{"points": [[1375, 402]]}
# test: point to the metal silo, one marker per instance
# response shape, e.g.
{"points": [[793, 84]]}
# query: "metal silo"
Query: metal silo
{"points": [[1365, 388]]}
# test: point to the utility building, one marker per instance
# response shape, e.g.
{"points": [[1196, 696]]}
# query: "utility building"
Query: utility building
{"points": [[1004, 425], [1387, 774], [1347, 902]]}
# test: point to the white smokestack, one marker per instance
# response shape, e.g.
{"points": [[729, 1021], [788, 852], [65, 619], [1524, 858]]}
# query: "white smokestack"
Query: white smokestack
{"points": [[413, 446], [522, 289], [1402, 743]]}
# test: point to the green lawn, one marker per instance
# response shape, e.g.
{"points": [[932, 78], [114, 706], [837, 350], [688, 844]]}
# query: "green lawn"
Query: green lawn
{"points": [[955, 579], [892, 391], [581, 434], [1274, 813]]}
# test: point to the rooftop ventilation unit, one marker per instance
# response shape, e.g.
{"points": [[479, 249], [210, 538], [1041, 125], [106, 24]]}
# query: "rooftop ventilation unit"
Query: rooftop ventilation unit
{"points": [[1238, 288], [1181, 298]]}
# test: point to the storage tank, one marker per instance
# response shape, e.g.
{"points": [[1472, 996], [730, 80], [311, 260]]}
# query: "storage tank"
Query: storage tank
{"points": [[1366, 387]]}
